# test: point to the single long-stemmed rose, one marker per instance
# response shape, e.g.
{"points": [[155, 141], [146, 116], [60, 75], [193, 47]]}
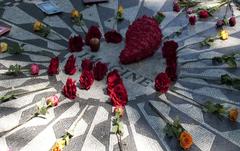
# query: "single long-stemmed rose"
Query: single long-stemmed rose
{"points": [[15, 48], [40, 28], [15, 70], [77, 19], [119, 98], [230, 60], [120, 13], [13, 95], [175, 129], [65, 139], [224, 79], [214, 108], [42, 110]]}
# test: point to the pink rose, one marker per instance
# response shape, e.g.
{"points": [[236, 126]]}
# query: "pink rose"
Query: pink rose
{"points": [[34, 69], [52, 100]]}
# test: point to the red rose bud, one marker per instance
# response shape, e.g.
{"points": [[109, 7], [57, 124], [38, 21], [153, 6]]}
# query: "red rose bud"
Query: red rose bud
{"points": [[203, 14], [176, 7], [52, 100], [53, 66], [100, 70], [34, 69], [86, 79], [162, 82], [119, 110], [70, 67], [220, 23], [172, 72], [169, 49], [232, 21], [94, 44], [113, 37], [192, 20], [93, 32], [75, 43], [70, 89], [87, 64]]}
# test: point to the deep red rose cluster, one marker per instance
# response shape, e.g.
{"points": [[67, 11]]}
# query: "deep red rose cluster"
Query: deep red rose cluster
{"points": [[116, 90], [87, 64], [75, 43], [70, 67], [143, 38], [169, 52], [53, 66], [113, 37], [86, 79], [70, 89], [93, 32], [192, 19]]}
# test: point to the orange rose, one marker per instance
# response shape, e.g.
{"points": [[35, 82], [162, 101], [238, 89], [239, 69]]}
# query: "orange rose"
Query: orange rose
{"points": [[185, 140], [233, 114]]}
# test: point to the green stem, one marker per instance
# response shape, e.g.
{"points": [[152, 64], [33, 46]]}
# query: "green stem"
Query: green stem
{"points": [[159, 113], [119, 142], [199, 105], [196, 60]]}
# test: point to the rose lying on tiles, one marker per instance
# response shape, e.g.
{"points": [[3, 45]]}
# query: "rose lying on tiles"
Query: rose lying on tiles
{"points": [[15, 70], [40, 28]]}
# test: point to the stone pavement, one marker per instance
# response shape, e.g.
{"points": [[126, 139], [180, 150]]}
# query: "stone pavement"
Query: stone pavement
{"points": [[143, 128]]}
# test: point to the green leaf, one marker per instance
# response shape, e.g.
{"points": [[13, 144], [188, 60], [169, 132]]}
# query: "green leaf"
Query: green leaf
{"points": [[7, 97], [231, 63], [217, 60], [226, 79], [115, 129], [16, 48]]}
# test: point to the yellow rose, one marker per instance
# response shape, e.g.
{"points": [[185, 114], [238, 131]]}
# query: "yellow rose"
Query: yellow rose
{"points": [[223, 35], [233, 114], [75, 13], [37, 26], [3, 47], [59, 145], [120, 9]]}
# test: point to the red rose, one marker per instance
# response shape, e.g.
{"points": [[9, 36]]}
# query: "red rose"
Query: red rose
{"points": [[176, 7], [203, 14], [34, 69], [172, 72], [75, 43], [192, 20], [171, 61], [113, 37], [70, 67], [232, 21], [93, 32], [113, 78], [169, 49], [143, 38], [70, 89], [99, 71], [162, 82], [119, 95], [220, 23], [53, 66], [86, 79], [87, 64]]}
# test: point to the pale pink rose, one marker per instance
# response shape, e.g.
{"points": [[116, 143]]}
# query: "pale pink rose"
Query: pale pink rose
{"points": [[53, 100], [34, 69]]}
